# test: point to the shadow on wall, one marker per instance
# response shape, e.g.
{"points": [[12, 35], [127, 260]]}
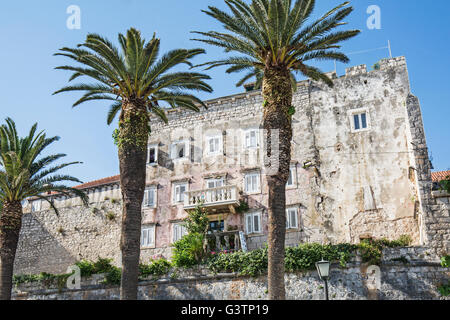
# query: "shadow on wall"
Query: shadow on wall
{"points": [[38, 250]]}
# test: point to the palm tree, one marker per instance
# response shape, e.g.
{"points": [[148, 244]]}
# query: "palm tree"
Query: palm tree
{"points": [[274, 40], [23, 175], [138, 82]]}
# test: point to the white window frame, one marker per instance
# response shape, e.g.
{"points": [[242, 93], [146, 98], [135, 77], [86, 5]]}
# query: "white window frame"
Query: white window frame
{"points": [[178, 231], [174, 151], [215, 181], [250, 227], [256, 174], [359, 112], [148, 236], [289, 223], [220, 145], [148, 190], [149, 147], [293, 174], [174, 192], [248, 132], [36, 205]]}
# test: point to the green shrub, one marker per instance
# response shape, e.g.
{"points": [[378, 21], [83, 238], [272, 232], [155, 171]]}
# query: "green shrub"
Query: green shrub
{"points": [[445, 261], [444, 290], [188, 250], [156, 268]]}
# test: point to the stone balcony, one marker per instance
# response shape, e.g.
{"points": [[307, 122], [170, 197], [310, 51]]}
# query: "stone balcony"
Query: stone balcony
{"points": [[225, 197]]}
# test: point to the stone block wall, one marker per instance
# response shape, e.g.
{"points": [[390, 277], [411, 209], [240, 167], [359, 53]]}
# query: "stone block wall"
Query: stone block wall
{"points": [[416, 280]]}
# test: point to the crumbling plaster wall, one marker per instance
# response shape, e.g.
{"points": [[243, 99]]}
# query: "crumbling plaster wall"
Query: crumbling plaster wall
{"points": [[362, 180]]}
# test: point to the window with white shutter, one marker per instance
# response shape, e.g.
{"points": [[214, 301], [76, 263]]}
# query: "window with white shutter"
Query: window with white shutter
{"points": [[150, 195], [292, 218], [178, 192], [292, 181], [253, 222], [178, 231], [251, 138], [214, 145], [148, 236], [252, 182]]}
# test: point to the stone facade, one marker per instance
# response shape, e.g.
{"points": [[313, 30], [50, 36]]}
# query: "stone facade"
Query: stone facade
{"points": [[418, 279], [349, 181]]}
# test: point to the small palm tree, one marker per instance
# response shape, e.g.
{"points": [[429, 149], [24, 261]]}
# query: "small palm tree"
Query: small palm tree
{"points": [[23, 175], [138, 82], [273, 42]]}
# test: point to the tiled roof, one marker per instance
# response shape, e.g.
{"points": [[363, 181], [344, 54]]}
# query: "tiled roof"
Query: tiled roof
{"points": [[439, 176], [98, 183]]}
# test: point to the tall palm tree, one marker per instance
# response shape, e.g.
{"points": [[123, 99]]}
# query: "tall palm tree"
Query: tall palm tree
{"points": [[274, 40], [137, 81], [24, 175]]}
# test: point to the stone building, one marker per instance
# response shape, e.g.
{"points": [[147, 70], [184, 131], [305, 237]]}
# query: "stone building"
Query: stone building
{"points": [[360, 169]]}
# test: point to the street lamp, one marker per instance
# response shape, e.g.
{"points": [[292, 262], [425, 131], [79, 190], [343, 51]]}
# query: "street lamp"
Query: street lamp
{"points": [[323, 268]]}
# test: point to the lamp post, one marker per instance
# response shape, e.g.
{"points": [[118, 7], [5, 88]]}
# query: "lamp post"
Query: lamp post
{"points": [[323, 268]]}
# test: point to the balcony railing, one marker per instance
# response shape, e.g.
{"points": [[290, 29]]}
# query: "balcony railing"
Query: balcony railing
{"points": [[213, 197], [225, 240]]}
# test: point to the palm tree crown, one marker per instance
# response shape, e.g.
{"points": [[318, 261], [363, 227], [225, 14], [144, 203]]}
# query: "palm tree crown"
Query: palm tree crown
{"points": [[134, 74], [273, 34], [23, 175]]}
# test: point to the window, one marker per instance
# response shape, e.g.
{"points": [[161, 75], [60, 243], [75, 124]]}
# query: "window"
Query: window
{"points": [[215, 183], [251, 138], [36, 206], [148, 236], [253, 222], [252, 182], [178, 231], [152, 155], [150, 197], [291, 218], [214, 145], [292, 181], [178, 192], [359, 120], [179, 150]]}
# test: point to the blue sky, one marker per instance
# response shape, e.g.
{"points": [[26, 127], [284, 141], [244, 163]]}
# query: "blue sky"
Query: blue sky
{"points": [[33, 30]]}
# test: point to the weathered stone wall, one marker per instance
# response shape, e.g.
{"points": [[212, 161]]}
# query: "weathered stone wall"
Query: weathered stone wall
{"points": [[416, 280]]}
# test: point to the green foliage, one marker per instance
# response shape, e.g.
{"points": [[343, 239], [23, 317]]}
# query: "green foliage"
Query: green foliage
{"points": [[291, 110], [277, 35], [301, 258], [445, 261], [111, 216], [197, 220], [189, 250], [25, 172], [445, 184], [115, 136], [444, 290], [133, 74], [155, 268], [44, 278], [243, 207], [88, 268]]}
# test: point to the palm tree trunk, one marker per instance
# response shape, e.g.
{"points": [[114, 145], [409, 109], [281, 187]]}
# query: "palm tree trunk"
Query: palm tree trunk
{"points": [[133, 137], [277, 94], [10, 224]]}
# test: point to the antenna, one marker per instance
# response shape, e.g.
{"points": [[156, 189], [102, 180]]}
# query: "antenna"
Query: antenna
{"points": [[389, 47]]}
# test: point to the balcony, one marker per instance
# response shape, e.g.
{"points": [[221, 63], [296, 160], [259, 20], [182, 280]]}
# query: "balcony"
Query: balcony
{"points": [[217, 198], [225, 240]]}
